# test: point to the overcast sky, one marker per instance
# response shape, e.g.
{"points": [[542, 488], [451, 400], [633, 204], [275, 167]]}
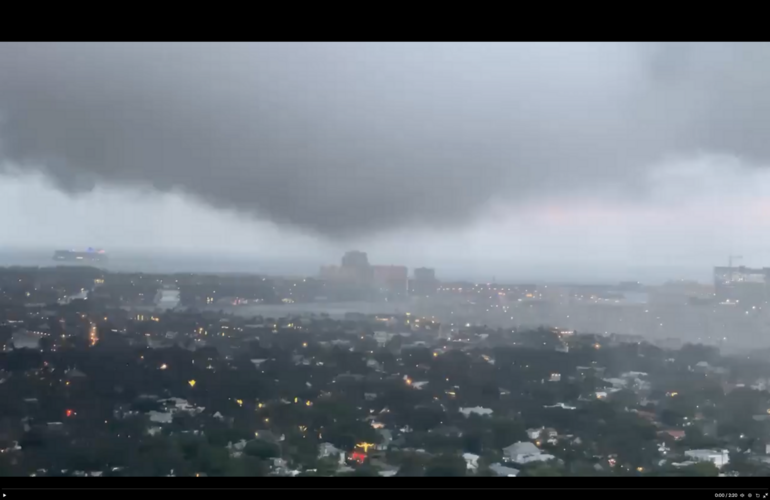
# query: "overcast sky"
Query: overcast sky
{"points": [[508, 160]]}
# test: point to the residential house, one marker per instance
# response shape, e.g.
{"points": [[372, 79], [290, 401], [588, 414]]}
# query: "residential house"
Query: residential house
{"points": [[478, 410], [524, 452], [504, 471], [471, 461]]}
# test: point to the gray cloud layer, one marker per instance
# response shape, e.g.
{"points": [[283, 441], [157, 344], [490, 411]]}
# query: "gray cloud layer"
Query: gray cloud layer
{"points": [[348, 139]]}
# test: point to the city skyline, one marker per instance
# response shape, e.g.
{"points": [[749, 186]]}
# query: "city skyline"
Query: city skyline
{"points": [[553, 157], [557, 244]]}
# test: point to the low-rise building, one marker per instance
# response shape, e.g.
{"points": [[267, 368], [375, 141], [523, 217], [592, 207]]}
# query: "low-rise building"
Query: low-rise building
{"points": [[524, 452], [720, 458]]}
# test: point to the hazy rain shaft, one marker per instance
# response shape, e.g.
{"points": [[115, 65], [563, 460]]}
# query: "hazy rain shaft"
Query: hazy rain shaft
{"points": [[354, 138]]}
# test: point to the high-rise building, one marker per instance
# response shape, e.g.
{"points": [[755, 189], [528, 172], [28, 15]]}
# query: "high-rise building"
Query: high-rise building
{"points": [[424, 281], [392, 279], [330, 273], [424, 274], [355, 259], [355, 268]]}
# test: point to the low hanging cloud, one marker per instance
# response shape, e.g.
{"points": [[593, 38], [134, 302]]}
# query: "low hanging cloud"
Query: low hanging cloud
{"points": [[354, 139]]}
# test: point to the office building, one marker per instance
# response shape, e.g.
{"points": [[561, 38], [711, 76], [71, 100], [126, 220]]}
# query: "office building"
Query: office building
{"points": [[355, 268], [353, 271], [424, 281], [391, 279]]}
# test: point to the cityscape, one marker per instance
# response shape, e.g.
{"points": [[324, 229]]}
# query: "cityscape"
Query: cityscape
{"points": [[369, 370], [731, 313], [292, 260]]}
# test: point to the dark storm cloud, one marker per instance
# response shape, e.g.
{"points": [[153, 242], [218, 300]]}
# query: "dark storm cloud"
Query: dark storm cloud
{"points": [[346, 139]]}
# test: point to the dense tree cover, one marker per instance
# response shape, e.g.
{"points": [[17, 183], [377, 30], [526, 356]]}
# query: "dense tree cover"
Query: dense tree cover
{"points": [[742, 464], [700, 469], [318, 385], [445, 466]]}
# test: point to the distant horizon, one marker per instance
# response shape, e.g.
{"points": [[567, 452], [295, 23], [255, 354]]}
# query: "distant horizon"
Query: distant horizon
{"points": [[180, 261]]}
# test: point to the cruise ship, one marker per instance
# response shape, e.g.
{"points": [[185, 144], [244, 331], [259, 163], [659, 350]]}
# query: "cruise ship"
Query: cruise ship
{"points": [[89, 256]]}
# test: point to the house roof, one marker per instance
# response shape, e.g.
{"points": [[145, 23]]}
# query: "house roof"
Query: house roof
{"points": [[501, 470], [522, 448], [475, 409]]}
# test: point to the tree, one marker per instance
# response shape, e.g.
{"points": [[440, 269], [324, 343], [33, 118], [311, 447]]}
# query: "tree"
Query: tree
{"points": [[692, 354], [473, 442], [446, 466], [694, 439], [744, 466], [485, 471], [262, 449], [363, 471], [327, 466], [411, 465], [701, 469], [424, 418], [624, 398], [246, 466], [506, 431], [671, 418], [395, 343], [582, 468], [541, 469], [213, 461]]}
